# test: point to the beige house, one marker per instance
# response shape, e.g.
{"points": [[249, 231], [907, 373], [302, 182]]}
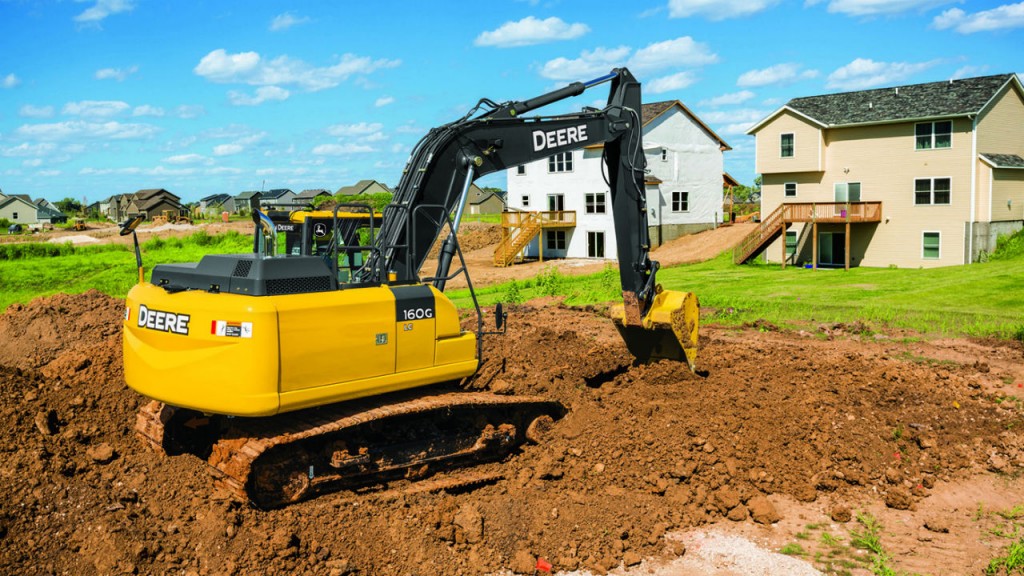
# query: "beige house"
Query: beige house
{"points": [[913, 176], [364, 187]]}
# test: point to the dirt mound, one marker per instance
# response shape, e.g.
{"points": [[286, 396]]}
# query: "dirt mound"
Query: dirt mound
{"points": [[643, 450]]}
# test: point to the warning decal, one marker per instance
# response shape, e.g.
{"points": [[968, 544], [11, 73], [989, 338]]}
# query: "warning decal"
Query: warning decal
{"points": [[231, 329]]}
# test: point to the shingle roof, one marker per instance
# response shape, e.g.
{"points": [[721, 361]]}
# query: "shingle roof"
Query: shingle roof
{"points": [[311, 193], [916, 101], [1004, 160], [216, 198], [274, 194]]}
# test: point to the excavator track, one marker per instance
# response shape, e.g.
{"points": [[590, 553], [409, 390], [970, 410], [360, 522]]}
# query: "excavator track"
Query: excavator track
{"points": [[359, 445]]}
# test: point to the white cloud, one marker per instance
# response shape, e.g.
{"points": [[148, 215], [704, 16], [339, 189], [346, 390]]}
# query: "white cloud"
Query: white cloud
{"points": [[32, 163], [717, 9], [590, 63], [102, 9], [26, 149], [286, 21], [680, 52], [342, 149], [147, 110], [882, 7], [360, 129], [250, 68], [683, 51], [189, 111], [384, 101], [227, 149], [95, 108], [263, 94], [188, 159], [118, 74], [1003, 17], [30, 111], [865, 73], [728, 99], [968, 71], [10, 81], [48, 173], [780, 74], [81, 129], [676, 81], [530, 31], [748, 115], [734, 129]]}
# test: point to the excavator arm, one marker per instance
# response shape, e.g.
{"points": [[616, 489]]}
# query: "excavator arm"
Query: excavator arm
{"points": [[437, 177]]}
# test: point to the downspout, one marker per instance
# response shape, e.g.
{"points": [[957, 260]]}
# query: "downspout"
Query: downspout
{"points": [[974, 185]]}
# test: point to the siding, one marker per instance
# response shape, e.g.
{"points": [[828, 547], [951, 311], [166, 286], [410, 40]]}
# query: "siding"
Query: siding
{"points": [[807, 146], [1001, 126], [884, 160], [1007, 185]]}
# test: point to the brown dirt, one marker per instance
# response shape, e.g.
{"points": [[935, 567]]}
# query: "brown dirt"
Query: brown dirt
{"points": [[804, 422]]}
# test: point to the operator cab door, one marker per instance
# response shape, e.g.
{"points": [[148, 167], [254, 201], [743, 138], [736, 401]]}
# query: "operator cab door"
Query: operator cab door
{"points": [[416, 327]]}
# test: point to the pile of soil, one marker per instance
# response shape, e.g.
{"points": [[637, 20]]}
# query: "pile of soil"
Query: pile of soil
{"points": [[832, 415]]}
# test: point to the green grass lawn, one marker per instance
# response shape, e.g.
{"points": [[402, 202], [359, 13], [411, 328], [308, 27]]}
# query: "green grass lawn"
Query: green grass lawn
{"points": [[979, 300], [984, 299], [31, 270]]}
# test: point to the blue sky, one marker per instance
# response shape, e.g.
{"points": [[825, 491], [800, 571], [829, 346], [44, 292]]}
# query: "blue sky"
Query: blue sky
{"points": [[102, 97]]}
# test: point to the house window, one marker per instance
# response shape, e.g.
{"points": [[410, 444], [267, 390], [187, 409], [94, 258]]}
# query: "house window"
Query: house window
{"points": [[561, 162], [554, 240], [931, 191], [526, 201], [556, 202], [790, 189], [790, 242], [15, 215], [930, 244], [680, 201], [521, 169], [664, 154], [596, 204], [786, 150], [847, 191], [929, 135], [595, 244]]}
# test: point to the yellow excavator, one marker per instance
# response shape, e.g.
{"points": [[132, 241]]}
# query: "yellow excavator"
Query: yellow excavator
{"points": [[329, 365]]}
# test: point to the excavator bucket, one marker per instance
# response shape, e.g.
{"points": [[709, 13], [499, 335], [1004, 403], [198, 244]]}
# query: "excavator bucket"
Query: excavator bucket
{"points": [[668, 331]]}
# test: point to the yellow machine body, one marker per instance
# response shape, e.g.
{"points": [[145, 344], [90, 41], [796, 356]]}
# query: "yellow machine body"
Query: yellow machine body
{"points": [[258, 356]]}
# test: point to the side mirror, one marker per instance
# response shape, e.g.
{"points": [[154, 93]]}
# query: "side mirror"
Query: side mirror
{"points": [[129, 226], [499, 316]]}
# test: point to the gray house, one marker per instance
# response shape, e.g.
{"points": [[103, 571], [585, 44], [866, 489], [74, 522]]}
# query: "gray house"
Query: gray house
{"points": [[217, 203], [19, 210]]}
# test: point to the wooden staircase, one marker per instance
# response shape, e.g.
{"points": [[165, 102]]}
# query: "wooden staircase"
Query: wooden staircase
{"points": [[521, 235], [816, 212], [771, 228]]}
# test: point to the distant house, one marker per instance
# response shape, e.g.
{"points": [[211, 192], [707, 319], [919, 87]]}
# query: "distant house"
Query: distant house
{"points": [[278, 198], [19, 209], [364, 187], [216, 203], [568, 195], [921, 175], [481, 202], [149, 202], [308, 196], [243, 198], [47, 215]]}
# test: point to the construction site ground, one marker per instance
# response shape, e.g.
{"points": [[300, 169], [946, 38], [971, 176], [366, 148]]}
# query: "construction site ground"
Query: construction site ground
{"points": [[782, 437]]}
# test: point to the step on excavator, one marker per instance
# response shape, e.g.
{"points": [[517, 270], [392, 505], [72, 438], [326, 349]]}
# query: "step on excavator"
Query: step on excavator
{"points": [[332, 364]]}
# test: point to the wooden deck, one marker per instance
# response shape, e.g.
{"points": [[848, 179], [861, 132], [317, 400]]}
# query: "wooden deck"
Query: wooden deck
{"points": [[776, 223]]}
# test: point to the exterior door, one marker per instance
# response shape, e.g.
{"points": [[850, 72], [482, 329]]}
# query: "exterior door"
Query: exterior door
{"points": [[831, 248]]}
